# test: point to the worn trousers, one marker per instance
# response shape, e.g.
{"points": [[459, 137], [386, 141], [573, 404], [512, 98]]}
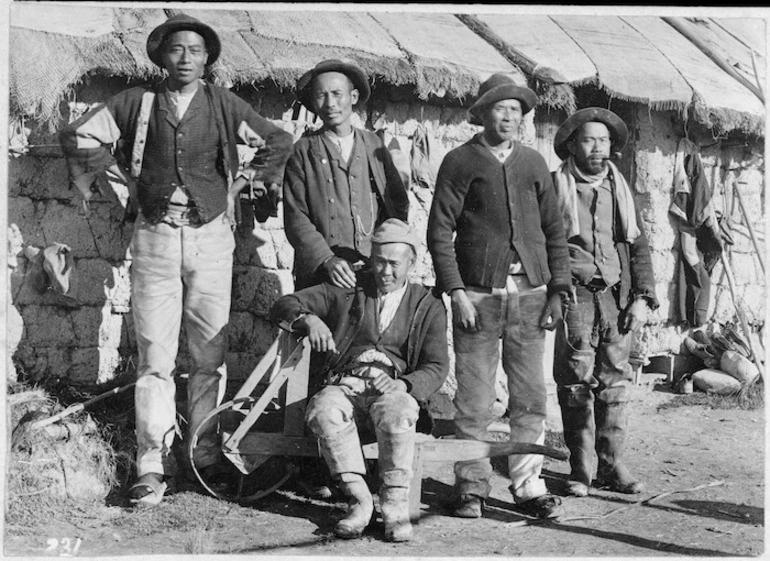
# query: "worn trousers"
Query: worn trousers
{"points": [[336, 413], [513, 314], [593, 378], [179, 272], [591, 353]]}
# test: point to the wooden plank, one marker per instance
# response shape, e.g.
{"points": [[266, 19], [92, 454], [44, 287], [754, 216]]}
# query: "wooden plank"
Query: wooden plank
{"points": [[415, 486], [296, 394], [464, 450], [277, 444]]}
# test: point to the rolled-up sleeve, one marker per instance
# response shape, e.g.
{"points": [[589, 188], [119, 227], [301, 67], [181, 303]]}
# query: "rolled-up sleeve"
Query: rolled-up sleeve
{"points": [[87, 146]]}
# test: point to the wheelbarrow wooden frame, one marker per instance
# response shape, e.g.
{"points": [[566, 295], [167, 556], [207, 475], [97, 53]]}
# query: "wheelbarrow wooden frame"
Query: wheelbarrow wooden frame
{"points": [[287, 362]]}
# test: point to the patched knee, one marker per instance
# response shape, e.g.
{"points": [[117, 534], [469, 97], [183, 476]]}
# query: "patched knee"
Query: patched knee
{"points": [[325, 416]]}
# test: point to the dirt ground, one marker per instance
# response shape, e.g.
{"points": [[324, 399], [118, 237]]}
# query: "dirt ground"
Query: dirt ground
{"points": [[673, 449]]}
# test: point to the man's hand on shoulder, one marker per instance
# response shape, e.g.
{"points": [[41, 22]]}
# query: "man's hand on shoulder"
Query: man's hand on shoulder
{"points": [[340, 272]]}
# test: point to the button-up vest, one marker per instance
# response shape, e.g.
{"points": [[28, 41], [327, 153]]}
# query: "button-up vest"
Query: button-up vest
{"points": [[183, 153], [595, 214]]}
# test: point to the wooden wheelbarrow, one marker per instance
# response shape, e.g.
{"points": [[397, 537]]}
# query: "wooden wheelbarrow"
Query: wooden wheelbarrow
{"points": [[286, 363]]}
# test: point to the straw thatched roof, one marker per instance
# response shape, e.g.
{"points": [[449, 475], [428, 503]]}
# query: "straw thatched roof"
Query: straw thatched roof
{"points": [[643, 59]]}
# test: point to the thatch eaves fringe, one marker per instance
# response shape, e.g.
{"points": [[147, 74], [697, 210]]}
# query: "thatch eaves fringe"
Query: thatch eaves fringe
{"points": [[45, 66], [549, 83], [724, 120]]}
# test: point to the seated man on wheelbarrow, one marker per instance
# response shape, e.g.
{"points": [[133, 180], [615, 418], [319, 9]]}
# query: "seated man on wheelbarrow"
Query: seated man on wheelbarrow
{"points": [[386, 348]]}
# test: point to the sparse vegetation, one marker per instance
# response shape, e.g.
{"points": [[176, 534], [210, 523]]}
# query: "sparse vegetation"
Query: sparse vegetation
{"points": [[751, 397]]}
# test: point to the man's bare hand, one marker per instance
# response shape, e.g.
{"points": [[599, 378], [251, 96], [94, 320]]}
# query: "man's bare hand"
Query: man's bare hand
{"points": [[318, 333], [636, 316], [553, 313], [340, 272], [385, 384], [464, 312]]}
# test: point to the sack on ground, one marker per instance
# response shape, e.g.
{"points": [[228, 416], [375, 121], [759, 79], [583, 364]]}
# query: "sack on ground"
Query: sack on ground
{"points": [[715, 381], [738, 366]]}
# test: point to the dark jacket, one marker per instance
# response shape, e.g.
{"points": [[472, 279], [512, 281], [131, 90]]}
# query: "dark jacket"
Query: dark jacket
{"points": [[636, 276], [424, 348], [498, 211], [204, 167], [306, 198]]}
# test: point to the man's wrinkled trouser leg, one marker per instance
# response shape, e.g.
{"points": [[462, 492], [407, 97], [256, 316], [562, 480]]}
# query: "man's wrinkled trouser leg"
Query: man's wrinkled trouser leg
{"points": [[179, 271], [591, 367], [332, 413], [512, 313]]}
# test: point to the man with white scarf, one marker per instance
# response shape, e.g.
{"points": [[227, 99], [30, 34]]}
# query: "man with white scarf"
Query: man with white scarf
{"points": [[613, 291]]}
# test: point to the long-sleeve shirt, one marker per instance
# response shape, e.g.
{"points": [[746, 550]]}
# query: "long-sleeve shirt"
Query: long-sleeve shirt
{"points": [[198, 152]]}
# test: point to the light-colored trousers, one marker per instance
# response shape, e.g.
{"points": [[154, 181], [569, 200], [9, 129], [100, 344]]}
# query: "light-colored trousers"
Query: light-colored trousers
{"points": [[334, 415], [513, 314], [179, 271]]}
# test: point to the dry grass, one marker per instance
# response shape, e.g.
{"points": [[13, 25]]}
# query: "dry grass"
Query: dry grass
{"points": [[48, 476], [750, 398]]}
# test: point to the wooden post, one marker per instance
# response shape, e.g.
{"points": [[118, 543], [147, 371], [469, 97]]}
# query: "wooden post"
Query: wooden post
{"points": [[745, 213], [741, 315]]}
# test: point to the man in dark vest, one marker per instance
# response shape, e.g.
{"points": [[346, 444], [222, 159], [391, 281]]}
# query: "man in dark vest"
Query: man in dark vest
{"points": [[177, 153], [613, 288], [340, 182], [385, 348]]}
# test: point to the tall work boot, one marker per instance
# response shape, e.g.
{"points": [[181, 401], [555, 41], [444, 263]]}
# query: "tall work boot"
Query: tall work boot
{"points": [[396, 454], [577, 414], [611, 429], [360, 507], [579, 433]]}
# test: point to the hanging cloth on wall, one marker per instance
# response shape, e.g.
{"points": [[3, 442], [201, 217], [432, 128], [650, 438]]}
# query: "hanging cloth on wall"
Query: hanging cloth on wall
{"points": [[423, 173], [701, 235]]}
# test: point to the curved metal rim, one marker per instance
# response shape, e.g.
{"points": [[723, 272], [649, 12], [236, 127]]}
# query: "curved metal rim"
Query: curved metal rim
{"points": [[291, 469]]}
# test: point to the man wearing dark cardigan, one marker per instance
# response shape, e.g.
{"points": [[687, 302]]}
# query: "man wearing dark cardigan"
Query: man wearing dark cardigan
{"points": [[507, 272]]}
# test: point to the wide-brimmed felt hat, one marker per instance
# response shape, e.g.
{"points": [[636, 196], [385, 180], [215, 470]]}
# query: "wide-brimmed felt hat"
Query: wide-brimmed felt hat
{"points": [[496, 88], [357, 76], [182, 22], [618, 129], [394, 230]]}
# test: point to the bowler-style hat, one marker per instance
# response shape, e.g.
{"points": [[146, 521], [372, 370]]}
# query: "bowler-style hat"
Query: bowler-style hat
{"points": [[394, 230], [182, 22], [496, 88], [618, 129], [356, 75]]}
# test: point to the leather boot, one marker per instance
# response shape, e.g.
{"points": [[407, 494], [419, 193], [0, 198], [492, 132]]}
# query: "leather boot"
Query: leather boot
{"points": [[577, 413], [394, 504], [611, 430], [396, 455], [360, 508]]}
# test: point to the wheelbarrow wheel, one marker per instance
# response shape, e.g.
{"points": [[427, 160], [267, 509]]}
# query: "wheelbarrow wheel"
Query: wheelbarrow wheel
{"points": [[230, 483]]}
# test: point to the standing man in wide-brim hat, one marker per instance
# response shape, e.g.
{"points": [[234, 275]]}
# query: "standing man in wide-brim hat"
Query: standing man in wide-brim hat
{"points": [[498, 247], [178, 155], [340, 182], [613, 289]]}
